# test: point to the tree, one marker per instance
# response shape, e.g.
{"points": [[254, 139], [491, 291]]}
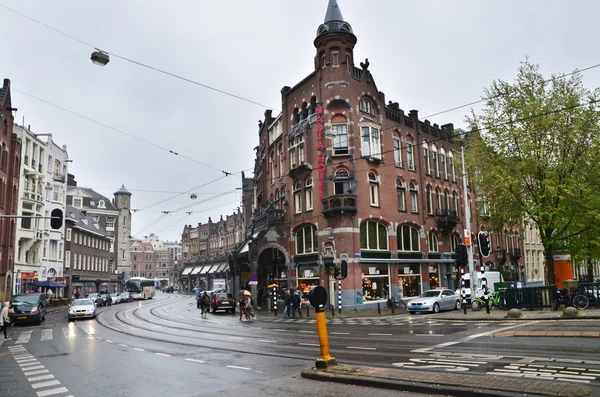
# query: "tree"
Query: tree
{"points": [[535, 148]]}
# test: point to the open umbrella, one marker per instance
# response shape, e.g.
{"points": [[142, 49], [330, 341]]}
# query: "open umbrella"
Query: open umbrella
{"points": [[247, 293], [273, 286]]}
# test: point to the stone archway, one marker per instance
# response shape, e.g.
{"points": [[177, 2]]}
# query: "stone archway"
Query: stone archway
{"points": [[271, 265]]}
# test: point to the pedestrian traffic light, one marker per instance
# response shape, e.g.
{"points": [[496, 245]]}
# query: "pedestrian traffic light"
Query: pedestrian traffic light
{"points": [[56, 220], [462, 255], [484, 244], [344, 269], [336, 272]]}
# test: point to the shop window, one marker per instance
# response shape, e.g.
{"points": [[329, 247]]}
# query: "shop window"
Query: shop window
{"points": [[308, 277], [375, 282], [409, 279], [306, 240], [373, 236], [432, 242], [342, 181], [408, 238], [434, 277], [414, 197]]}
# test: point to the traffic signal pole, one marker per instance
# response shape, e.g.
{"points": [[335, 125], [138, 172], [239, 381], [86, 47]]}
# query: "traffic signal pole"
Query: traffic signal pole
{"points": [[468, 227]]}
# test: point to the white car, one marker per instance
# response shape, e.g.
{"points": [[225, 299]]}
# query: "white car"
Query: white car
{"points": [[434, 300], [115, 298], [82, 308]]}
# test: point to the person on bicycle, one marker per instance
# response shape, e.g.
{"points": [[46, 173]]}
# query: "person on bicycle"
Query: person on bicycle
{"points": [[205, 304]]}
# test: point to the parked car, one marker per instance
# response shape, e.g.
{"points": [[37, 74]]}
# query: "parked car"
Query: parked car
{"points": [[27, 308], [434, 300], [169, 289], [125, 297], [115, 299], [222, 301], [82, 308], [96, 298]]}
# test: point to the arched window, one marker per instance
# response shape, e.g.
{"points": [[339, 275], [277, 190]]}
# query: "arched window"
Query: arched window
{"points": [[397, 150], [438, 199], [298, 197], [374, 188], [451, 166], [306, 240], [410, 160], [342, 181], [276, 199], [401, 191], [367, 106], [408, 238], [443, 168], [308, 193], [429, 200], [455, 201], [432, 242], [446, 199], [434, 161], [426, 163], [373, 236], [454, 242], [414, 198]]}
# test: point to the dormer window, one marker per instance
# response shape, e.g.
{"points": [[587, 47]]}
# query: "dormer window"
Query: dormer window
{"points": [[366, 106], [77, 202]]}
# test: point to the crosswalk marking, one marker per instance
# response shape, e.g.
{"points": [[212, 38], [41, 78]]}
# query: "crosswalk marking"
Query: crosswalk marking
{"points": [[52, 392], [45, 384], [36, 372], [24, 337], [40, 377], [47, 334], [69, 331]]}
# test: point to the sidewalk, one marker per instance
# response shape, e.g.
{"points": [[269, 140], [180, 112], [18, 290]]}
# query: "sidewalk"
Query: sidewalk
{"points": [[527, 315], [350, 313], [463, 385]]}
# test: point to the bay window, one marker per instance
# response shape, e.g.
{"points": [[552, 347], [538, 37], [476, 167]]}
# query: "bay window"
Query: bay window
{"points": [[370, 141]]}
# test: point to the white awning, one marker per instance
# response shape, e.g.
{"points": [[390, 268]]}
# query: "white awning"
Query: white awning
{"points": [[244, 249], [187, 271], [197, 269], [205, 270], [212, 269], [223, 267]]}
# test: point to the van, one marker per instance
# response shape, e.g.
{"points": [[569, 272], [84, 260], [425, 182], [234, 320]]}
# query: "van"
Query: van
{"points": [[27, 308]]}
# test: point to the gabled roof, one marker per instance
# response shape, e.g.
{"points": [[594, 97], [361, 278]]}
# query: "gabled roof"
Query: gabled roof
{"points": [[95, 198], [82, 221]]}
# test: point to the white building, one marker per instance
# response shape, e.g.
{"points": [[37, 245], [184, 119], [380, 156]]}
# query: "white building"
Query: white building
{"points": [[39, 249], [534, 254]]}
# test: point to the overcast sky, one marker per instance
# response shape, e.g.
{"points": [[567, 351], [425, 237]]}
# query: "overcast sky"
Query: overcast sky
{"points": [[426, 55]]}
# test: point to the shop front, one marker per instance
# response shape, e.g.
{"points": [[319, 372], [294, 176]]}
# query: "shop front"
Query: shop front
{"points": [[409, 279], [24, 282], [307, 275], [375, 282]]}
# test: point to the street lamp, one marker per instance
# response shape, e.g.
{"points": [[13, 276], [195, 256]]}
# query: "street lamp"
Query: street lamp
{"points": [[100, 58]]}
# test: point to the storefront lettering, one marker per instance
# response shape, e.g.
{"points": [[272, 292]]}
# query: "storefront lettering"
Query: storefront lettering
{"points": [[321, 167]]}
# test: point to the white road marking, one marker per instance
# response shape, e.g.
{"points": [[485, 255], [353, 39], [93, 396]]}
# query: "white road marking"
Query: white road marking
{"points": [[47, 334], [429, 334], [309, 344], [163, 354], [52, 392], [307, 332], [361, 348], [138, 349], [236, 338], [468, 338], [109, 341], [195, 361], [45, 384], [40, 371], [267, 341], [122, 345], [33, 368], [24, 360], [236, 367], [24, 337], [340, 333], [277, 329], [380, 334], [41, 377], [26, 365]]}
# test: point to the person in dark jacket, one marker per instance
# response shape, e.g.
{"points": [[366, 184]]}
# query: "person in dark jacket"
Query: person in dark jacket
{"points": [[297, 304]]}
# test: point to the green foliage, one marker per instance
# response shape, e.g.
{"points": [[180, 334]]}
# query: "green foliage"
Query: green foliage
{"points": [[535, 146]]}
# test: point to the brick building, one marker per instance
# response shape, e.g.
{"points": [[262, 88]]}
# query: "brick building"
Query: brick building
{"points": [[10, 170], [206, 250], [341, 175], [143, 263], [88, 254], [156, 259]]}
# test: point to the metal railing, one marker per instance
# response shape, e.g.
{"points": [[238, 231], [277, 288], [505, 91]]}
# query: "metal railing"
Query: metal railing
{"points": [[543, 297]]}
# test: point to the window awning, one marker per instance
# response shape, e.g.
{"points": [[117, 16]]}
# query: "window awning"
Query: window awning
{"points": [[197, 270], [211, 269], [405, 260], [187, 271], [205, 270]]}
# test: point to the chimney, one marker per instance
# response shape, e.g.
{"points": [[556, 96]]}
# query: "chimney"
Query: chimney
{"points": [[414, 114], [449, 127], [6, 83]]}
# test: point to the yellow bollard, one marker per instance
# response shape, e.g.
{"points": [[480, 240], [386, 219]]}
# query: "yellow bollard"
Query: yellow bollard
{"points": [[318, 297]]}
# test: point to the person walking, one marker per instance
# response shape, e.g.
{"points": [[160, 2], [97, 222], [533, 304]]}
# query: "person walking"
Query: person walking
{"points": [[297, 303], [287, 304], [204, 305], [242, 306], [5, 320]]}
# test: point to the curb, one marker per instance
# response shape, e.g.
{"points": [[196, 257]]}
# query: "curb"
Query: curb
{"points": [[56, 309], [547, 334], [428, 388], [524, 318]]}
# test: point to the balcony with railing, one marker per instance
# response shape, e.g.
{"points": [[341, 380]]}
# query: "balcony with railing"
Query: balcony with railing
{"points": [[298, 169], [29, 195], [267, 217], [515, 254], [446, 220], [302, 124], [58, 177], [339, 203]]}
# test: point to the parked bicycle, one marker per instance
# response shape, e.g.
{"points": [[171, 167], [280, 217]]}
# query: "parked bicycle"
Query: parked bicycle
{"points": [[495, 301], [570, 298], [396, 303]]}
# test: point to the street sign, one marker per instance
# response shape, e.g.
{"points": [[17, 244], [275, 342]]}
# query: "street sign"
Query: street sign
{"points": [[253, 282], [254, 277]]}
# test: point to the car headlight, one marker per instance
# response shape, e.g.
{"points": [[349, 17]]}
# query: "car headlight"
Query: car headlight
{"points": [[89, 310], [71, 311], [34, 309]]}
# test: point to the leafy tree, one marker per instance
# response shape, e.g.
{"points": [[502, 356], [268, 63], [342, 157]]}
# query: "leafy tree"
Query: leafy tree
{"points": [[535, 148]]}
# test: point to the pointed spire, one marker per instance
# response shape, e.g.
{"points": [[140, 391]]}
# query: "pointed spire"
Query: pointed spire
{"points": [[333, 12]]}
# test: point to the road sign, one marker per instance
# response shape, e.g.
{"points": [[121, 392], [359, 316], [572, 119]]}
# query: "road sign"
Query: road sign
{"points": [[253, 277], [253, 282]]}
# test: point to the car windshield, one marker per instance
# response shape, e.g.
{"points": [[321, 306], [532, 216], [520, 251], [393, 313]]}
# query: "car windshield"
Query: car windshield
{"points": [[114, 295], [92, 295], [24, 300], [222, 296], [82, 302], [429, 294]]}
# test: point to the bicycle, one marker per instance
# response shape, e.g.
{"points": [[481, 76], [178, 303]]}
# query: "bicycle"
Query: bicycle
{"points": [[494, 302], [393, 303]]}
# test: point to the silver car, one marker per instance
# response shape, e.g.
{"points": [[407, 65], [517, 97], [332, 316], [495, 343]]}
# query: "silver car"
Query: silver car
{"points": [[82, 308], [434, 300]]}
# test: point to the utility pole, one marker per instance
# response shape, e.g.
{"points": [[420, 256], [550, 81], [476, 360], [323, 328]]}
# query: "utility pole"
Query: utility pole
{"points": [[467, 231]]}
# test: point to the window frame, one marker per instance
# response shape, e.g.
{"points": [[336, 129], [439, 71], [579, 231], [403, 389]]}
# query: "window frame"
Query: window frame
{"points": [[373, 142], [373, 179], [397, 152], [414, 197], [401, 194], [378, 228], [432, 242], [413, 238], [338, 150], [314, 246]]}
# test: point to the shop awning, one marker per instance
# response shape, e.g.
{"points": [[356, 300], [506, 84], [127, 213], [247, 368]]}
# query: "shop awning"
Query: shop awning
{"points": [[223, 268], [197, 270], [244, 249], [212, 269], [404, 260], [187, 271], [205, 270]]}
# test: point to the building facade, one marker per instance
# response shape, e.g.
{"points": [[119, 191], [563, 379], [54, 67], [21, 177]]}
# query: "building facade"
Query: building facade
{"points": [[206, 252], [114, 216], [342, 177], [10, 172], [39, 248], [143, 263], [156, 259], [88, 254]]}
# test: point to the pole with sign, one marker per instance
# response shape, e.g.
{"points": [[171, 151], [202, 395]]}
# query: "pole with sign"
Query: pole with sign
{"points": [[318, 298]]}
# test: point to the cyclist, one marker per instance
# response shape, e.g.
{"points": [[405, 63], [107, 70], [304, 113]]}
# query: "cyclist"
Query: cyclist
{"points": [[204, 305]]}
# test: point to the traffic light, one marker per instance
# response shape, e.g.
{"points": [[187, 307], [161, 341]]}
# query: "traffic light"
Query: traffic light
{"points": [[336, 272], [462, 255], [56, 221], [484, 244], [344, 269]]}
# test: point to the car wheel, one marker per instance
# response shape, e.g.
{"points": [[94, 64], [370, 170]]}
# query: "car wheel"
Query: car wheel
{"points": [[412, 312], [436, 308], [457, 305]]}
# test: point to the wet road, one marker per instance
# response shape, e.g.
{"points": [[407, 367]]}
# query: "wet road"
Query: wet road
{"points": [[162, 346]]}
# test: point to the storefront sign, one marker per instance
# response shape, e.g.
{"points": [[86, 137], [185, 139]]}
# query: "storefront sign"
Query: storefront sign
{"points": [[219, 283], [245, 275], [75, 277], [321, 163], [27, 275]]}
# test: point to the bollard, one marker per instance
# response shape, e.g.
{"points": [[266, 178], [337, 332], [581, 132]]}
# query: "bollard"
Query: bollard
{"points": [[275, 301], [393, 304], [318, 299], [307, 312], [340, 296], [332, 310], [378, 308]]}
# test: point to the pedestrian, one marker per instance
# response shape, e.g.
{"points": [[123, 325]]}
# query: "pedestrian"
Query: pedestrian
{"points": [[76, 294], [249, 312], [205, 305], [242, 306], [298, 303], [5, 320], [49, 294], [260, 297], [287, 304]]}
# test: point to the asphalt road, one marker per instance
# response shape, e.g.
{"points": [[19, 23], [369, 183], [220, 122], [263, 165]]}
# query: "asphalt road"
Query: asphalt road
{"points": [[162, 347]]}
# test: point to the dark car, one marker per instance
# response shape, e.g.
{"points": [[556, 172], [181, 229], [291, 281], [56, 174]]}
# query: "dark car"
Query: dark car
{"points": [[169, 289], [96, 298], [125, 297], [107, 300], [27, 308], [222, 301]]}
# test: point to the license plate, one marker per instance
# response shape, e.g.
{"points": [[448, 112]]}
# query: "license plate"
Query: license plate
{"points": [[416, 307], [225, 302], [22, 318], [81, 314]]}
